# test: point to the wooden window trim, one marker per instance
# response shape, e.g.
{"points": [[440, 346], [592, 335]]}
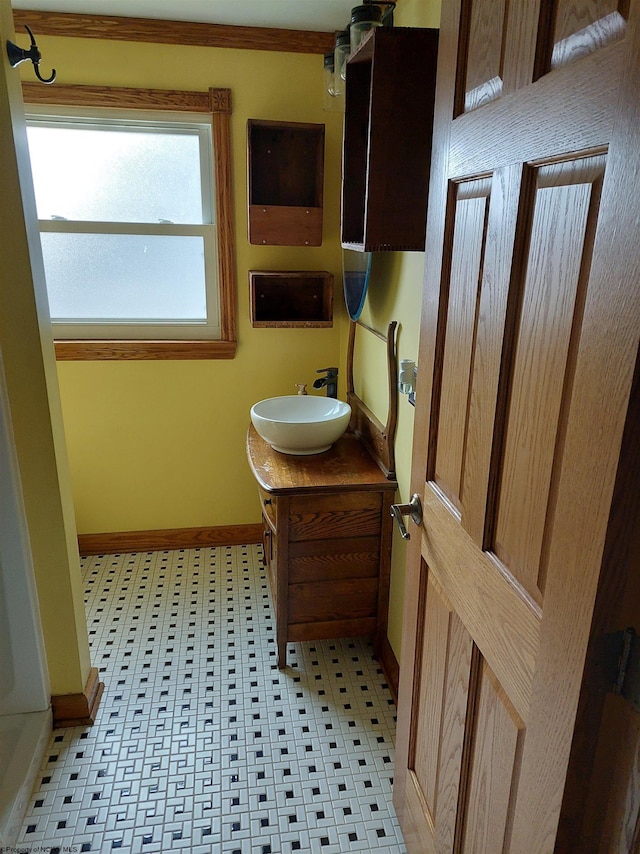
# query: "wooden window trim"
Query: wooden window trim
{"points": [[216, 102]]}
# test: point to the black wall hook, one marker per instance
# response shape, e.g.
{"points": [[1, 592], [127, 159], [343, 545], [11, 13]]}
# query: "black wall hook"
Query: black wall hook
{"points": [[18, 54]]}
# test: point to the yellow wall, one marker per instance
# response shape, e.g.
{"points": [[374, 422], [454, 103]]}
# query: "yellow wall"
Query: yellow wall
{"points": [[395, 293], [161, 444], [26, 350]]}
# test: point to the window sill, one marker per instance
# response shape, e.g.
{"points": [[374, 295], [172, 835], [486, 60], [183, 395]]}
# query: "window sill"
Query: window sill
{"points": [[68, 351]]}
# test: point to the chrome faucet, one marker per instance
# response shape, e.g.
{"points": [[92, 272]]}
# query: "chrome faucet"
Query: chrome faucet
{"points": [[330, 381]]}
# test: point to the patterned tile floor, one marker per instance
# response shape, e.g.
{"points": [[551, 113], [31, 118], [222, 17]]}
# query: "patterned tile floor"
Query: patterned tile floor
{"points": [[201, 744]]}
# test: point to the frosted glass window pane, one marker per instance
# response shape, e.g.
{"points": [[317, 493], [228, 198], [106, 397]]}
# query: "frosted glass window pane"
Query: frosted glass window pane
{"points": [[116, 175], [125, 277]]}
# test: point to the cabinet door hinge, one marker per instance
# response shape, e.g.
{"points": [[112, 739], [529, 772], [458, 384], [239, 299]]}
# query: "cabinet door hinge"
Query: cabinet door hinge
{"points": [[617, 663]]}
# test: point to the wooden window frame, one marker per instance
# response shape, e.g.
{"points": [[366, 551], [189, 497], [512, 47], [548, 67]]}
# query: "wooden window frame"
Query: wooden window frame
{"points": [[217, 103]]}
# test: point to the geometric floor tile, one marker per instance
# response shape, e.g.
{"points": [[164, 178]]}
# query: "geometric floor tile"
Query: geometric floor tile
{"points": [[201, 744]]}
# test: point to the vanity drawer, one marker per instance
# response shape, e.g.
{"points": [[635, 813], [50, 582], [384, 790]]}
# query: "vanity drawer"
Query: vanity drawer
{"points": [[327, 560], [313, 517], [324, 601], [270, 545], [268, 503]]}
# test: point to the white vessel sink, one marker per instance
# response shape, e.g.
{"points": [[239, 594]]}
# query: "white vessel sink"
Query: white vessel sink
{"points": [[300, 424]]}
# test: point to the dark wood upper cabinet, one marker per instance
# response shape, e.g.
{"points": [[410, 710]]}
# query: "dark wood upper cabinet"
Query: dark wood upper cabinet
{"points": [[286, 172], [390, 91]]}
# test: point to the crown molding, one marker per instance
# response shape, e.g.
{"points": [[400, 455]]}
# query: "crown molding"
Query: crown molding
{"points": [[172, 32]]}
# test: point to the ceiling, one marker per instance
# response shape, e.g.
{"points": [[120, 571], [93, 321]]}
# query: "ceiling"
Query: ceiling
{"points": [[318, 15]]}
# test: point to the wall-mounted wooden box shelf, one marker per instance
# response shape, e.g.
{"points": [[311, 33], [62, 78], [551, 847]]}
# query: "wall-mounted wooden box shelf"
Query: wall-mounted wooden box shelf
{"points": [[390, 91], [291, 299], [286, 171]]}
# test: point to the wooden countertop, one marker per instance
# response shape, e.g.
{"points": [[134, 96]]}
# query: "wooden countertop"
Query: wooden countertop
{"points": [[345, 466]]}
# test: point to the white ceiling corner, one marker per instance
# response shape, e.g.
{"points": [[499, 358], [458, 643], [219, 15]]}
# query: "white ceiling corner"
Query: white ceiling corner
{"points": [[318, 15]]}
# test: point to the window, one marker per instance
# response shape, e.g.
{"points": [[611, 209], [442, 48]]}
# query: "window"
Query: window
{"points": [[126, 222], [135, 229]]}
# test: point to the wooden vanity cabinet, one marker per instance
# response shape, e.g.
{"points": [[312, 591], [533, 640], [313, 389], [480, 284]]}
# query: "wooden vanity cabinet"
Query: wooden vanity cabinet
{"points": [[327, 525]]}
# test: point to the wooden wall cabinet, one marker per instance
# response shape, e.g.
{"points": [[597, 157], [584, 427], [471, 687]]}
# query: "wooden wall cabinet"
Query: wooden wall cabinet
{"points": [[328, 531], [389, 103], [298, 299], [286, 173]]}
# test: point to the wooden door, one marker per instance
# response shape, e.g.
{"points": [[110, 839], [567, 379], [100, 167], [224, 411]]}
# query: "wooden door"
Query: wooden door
{"points": [[527, 377]]}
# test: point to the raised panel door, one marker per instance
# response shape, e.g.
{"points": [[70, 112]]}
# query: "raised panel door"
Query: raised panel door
{"points": [[529, 342]]}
